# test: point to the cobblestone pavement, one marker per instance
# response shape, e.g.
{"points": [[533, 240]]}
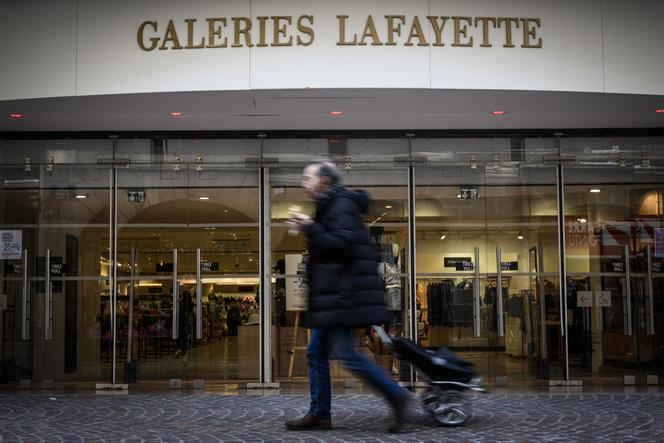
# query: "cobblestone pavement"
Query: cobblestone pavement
{"points": [[356, 417]]}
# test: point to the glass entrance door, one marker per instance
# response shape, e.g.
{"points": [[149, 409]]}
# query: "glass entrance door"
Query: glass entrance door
{"points": [[487, 262], [57, 317], [188, 251], [614, 271]]}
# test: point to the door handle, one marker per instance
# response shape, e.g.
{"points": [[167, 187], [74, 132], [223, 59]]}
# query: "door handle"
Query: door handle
{"points": [[25, 304], [650, 303], [175, 315], [499, 292], [627, 297], [476, 295], [48, 299], [199, 297]]}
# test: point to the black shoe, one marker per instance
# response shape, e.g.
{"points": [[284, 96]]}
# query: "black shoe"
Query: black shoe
{"points": [[309, 423], [402, 414]]}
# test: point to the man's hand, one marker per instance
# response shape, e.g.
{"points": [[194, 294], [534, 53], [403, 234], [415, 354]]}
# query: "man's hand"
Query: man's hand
{"points": [[299, 222]]}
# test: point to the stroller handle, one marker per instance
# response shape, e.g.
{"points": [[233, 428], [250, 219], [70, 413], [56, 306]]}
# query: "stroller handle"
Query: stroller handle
{"points": [[384, 336]]}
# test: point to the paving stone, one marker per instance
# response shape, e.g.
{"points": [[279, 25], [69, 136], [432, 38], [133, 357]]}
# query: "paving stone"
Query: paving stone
{"points": [[172, 417]]}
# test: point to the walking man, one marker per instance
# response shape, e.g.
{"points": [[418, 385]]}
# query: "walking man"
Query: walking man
{"points": [[345, 292]]}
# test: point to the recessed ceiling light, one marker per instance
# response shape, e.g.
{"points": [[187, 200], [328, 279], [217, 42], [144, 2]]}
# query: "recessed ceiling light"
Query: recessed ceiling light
{"points": [[442, 237], [388, 206], [175, 114], [582, 220], [81, 196], [15, 115], [595, 190], [520, 237], [204, 197], [497, 112], [458, 195], [336, 113]]}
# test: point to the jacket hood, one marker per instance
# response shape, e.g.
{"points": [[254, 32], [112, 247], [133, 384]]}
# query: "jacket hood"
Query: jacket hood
{"points": [[361, 199]]}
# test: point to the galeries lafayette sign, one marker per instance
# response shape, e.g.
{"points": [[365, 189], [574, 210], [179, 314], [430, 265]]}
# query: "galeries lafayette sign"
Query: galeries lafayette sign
{"points": [[387, 30]]}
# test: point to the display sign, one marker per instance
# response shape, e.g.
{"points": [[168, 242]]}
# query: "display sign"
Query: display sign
{"points": [[617, 266], [164, 267], [469, 193], [297, 293], [451, 262], [136, 196], [464, 265], [509, 265], [584, 299], [659, 242], [57, 270], [657, 266], [209, 266], [14, 270], [10, 244], [603, 299]]}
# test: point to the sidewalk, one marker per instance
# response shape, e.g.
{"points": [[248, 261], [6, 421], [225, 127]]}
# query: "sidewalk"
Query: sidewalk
{"points": [[207, 417]]}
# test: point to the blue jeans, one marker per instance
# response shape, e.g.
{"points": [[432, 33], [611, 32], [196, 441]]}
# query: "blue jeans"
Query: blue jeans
{"points": [[326, 343]]}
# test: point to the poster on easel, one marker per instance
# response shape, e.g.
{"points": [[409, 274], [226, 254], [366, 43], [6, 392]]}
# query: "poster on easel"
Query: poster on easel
{"points": [[297, 294]]}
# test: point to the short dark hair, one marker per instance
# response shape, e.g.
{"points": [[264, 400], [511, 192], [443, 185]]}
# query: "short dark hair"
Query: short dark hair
{"points": [[327, 169]]}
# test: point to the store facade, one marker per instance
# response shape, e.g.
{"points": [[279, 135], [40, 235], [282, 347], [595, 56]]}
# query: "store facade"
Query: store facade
{"points": [[154, 150]]}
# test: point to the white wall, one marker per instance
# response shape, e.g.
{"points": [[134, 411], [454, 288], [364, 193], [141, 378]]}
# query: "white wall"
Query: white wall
{"points": [[90, 47]]}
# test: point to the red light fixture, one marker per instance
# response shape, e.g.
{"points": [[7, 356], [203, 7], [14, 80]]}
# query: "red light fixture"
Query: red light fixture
{"points": [[15, 115], [336, 113], [659, 111], [175, 114], [498, 112]]}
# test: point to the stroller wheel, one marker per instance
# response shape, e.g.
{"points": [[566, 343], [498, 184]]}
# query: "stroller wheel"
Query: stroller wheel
{"points": [[430, 401], [451, 409], [447, 416]]}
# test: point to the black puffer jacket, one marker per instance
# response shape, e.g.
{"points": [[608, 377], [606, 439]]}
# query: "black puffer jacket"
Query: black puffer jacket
{"points": [[342, 270]]}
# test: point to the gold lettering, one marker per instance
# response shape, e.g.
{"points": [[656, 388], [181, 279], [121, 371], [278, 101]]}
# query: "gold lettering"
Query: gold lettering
{"points": [[529, 32], [241, 30], [280, 30], [190, 35], [305, 30], [416, 31], [394, 29], [215, 31], [508, 29], [461, 31], [342, 32], [261, 31], [154, 41], [485, 29], [170, 36], [438, 28], [370, 31]]}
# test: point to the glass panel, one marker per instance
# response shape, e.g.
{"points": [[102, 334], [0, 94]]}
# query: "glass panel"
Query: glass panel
{"points": [[56, 330], [615, 325], [468, 216], [209, 215], [387, 220]]}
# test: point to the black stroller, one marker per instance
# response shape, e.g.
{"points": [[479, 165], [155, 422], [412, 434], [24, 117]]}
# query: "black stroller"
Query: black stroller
{"points": [[449, 377]]}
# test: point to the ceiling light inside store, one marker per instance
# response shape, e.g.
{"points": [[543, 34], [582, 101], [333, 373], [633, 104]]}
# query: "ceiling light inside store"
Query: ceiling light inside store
{"points": [[582, 220], [520, 237], [458, 195], [336, 113], [15, 115], [388, 206], [595, 190], [442, 237], [204, 197], [175, 114], [81, 196], [498, 112]]}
